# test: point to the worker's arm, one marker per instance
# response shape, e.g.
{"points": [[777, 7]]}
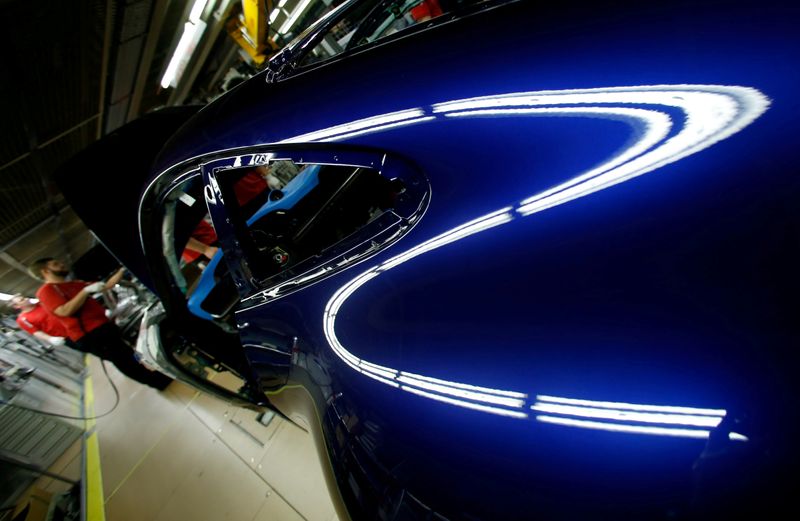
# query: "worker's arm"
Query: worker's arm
{"points": [[115, 278], [74, 305], [199, 247]]}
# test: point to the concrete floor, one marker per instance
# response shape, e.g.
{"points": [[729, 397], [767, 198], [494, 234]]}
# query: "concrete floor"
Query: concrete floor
{"points": [[179, 454]]}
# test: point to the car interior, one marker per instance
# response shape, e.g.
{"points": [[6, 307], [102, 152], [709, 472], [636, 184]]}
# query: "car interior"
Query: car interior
{"points": [[283, 216]]}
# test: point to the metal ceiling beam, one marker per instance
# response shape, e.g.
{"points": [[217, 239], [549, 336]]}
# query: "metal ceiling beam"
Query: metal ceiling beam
{"points": [[30, 232], [146, 62], [225, 65], [14, 263], [109, 31], [40, 146], [48, 185], [45, 177]]}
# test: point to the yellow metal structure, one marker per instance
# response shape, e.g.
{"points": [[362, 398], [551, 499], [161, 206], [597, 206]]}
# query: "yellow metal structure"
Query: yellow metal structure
{"points": [[249, 30]]}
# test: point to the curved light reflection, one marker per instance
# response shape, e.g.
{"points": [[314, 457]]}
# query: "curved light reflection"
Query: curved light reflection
{"points": [[363, 126], [661, 431], [711, 113], [628, 416], [633, 407]]}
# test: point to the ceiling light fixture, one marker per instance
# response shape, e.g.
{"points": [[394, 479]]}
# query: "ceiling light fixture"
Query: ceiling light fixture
{"points": [[296, 14], [273, 15], [192, 32]]}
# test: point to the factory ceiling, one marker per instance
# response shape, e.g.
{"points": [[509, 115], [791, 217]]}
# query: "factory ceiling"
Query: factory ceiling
{"points": [[73, 72]]}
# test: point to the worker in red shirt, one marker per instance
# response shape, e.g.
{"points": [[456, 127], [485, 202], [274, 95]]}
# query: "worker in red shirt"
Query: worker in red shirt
{"points": [[34, 319], [85, 321]]}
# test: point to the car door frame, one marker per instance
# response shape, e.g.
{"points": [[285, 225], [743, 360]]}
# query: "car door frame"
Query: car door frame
{"points": [[269, 351]]}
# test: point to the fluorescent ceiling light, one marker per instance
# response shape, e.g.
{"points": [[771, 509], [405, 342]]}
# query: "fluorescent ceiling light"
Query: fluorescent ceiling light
{"points": [[170, 76], [273, 15], [5, 296], [297, 13], [197, 10], [192, 31]]}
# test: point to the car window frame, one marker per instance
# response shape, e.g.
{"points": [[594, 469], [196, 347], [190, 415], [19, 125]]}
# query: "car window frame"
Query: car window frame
{"points": [[341, 255]]}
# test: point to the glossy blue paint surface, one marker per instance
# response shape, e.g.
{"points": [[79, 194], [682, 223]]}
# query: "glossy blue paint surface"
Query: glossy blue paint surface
{"points": [[677, 287]]}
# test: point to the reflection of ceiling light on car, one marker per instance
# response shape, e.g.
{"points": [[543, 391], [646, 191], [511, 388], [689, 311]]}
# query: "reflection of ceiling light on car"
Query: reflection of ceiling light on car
{"points": [[712, 113], [465, 404], [628, 417], [665, 409], [371, 124], [635, 429], [458, 391], [642, 417]]}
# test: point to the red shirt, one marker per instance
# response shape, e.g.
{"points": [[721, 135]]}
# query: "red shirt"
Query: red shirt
{"points": [[204, 233], [426, 10], [38, 319], [91, 315], [249, 186]]}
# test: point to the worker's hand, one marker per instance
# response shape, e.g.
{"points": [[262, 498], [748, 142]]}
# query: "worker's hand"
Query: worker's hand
{"points": [[96, 287], [57, 340]]}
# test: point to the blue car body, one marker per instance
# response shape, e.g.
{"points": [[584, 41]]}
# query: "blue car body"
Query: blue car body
{"points": [[586, 304]]}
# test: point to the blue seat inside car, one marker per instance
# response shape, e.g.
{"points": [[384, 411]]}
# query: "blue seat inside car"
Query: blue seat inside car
{"points": [[214, 279]]}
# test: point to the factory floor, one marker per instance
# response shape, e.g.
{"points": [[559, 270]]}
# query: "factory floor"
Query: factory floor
{"points": [[180, 454]]}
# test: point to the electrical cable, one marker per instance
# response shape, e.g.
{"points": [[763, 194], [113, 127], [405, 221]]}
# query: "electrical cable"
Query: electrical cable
{"points": [[113, 407]]}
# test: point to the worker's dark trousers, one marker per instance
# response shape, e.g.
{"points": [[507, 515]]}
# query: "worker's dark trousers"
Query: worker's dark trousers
{"points": [[106, 343]]}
